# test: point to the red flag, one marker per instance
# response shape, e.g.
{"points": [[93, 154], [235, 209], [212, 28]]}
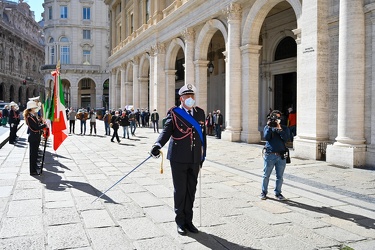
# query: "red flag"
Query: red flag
{"points": [[59, 122]]}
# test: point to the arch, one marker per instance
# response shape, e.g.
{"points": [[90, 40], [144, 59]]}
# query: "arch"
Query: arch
{"points": [[144, 66], [273, 43], [129, 72], [83, 77], [205, 35], [172, 51], [258, 13], [286, 48]]}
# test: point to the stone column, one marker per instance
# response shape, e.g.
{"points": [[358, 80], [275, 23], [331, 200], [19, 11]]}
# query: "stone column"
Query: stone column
{"points": [[201, 83], [158, 80], [233, 114], [98, 96], [74, 97], [312, 81], [250, 93], [189, 35], [122, 89], [135, 101], [112, 85], [170, 76], [370, 156], [349, 149]]}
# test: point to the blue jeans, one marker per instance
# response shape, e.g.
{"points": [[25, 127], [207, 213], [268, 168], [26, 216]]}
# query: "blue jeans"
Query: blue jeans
{"points": [[270, 161], [126, 131], [83, 127], [133, 127], [107, 128]]}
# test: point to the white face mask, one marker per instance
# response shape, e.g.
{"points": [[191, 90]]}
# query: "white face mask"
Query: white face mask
{"points": [[189, 102]]}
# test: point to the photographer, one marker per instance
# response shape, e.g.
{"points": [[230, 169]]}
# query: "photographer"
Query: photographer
{"points": [[276, 136]]}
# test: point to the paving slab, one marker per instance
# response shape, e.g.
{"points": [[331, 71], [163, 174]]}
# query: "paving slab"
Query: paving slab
{"points": [[327, 207]]}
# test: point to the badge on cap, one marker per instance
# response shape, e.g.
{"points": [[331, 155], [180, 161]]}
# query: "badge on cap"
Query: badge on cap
{"points": [[187, 89]]}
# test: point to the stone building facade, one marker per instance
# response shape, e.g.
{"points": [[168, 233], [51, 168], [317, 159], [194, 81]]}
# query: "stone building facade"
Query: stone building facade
{"points": [[313, 56], [76, 33], [21, 53]]}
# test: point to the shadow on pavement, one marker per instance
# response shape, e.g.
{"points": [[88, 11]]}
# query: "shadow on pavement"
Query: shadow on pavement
{"points": [[53, 181], [214, 242], [360, 220]]}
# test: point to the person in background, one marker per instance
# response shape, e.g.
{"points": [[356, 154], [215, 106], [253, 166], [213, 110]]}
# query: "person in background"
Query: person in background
{"points": [[72, 120], [14, 119], [115, 120], [292, 123], [124, 123], [107, 120], [218, 124], [276, 135], [155, 120], [92, 117]]}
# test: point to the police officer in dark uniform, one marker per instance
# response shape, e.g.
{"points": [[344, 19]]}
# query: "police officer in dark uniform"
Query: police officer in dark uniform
{"points": [[185, 127], [14, 120], [35, 128]]}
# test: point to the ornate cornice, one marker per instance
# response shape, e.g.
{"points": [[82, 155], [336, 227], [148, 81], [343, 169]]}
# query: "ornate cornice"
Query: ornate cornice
{"points": [[233, 12]]}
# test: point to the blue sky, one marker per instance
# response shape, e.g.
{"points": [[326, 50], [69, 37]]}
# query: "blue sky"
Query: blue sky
{"points": [[37, 7]]}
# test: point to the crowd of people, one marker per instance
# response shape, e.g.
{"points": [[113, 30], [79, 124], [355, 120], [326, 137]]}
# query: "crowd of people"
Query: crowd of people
{"points": [[129, 119]]}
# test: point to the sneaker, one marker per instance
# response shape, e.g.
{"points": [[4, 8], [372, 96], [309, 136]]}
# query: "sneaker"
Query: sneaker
{"points": [[280, 197], [263, 196]]}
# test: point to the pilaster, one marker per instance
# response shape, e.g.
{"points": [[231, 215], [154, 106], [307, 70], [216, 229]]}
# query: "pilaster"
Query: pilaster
{"points": [[135, 101], [349, 149], [250, 92], [201, 83], [158, 73], [312, 80], [170, 93], [189, 35], [233, 114], [122, 89]]}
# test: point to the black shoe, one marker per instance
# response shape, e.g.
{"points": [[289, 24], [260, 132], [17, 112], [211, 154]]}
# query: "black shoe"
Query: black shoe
{"points": [[112, 141], [34, 173], [191, 228], [181, 230]]}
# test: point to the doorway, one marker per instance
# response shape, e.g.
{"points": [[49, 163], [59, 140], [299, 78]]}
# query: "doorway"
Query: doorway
{"points": [[285, 94]]}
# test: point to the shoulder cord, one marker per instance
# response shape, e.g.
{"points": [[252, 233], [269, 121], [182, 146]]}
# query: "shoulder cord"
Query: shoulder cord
{"points": [[29, 116], [189, 131]]}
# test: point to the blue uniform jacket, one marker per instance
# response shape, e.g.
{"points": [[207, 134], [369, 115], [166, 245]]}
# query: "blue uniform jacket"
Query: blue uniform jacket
{"points": [[185, 145]]}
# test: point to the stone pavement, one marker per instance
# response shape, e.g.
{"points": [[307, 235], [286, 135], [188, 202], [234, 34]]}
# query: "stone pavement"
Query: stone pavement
{"points": [[328, 207]]}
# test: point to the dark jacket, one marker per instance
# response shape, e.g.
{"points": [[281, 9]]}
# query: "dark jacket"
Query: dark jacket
{"points": [[115, 120], [275, 139], [14, 117], [154, 117], [124, 121], [185, 145], [35, 128]]}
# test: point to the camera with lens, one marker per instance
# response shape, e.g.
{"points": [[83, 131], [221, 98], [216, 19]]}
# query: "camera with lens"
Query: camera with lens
{"points": [[272, 120]]}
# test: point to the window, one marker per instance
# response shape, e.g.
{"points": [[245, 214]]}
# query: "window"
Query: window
{"points": [[11, 60], [64, 12], [50, 16], [147, 10], [64, 50], [86, 83], [65, 54], [52, 52], [86, 13], [287, 48], [86, 34], [86, 56], [131, 23]]}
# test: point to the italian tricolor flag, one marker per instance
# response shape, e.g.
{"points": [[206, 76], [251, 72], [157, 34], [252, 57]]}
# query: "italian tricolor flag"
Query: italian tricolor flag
{"points": [[56, 111]]}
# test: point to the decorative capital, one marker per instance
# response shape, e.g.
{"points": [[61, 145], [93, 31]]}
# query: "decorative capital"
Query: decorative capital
{"points": [[188, 34], [158, 48], [234, 11]]}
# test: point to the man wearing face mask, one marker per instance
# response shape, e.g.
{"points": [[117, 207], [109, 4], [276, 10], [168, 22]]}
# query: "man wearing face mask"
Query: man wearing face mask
{"points": [[276, 136], [185, 127]]}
